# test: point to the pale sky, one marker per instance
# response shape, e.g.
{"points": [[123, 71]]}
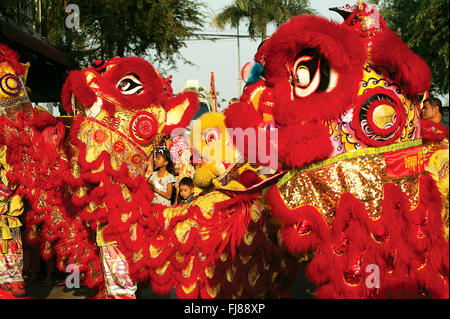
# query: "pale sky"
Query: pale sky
{"points": [[221, 58]]}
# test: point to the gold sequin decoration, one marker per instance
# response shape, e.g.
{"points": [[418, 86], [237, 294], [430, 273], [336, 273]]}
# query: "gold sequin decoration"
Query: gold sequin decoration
{"points": [[213, 291], [245, 259], [186, 272], [253, 275], [248, 237], [133, 232], [238, 293], [363, 177], [162, 269], [182, 230], [189, 289], [209, 272], [205, 203], [256, 212], [138, 255], [154, 252], [179, 258], [437, 158], [223, 257], [274, 276], [410, 186], [230, 272], [48, 247]]}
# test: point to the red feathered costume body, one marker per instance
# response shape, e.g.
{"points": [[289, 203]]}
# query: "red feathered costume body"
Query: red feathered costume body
{"points": [[344, 99]]}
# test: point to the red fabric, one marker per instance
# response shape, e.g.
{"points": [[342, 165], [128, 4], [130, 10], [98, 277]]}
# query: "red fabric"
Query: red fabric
{"points": [[432, 131], [404, 162]]}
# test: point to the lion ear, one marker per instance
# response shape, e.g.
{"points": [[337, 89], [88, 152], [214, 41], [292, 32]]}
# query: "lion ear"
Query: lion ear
{"points": [[180, 110], [408, 68]]}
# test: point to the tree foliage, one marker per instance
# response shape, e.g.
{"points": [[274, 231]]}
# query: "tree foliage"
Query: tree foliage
{"points": [[110, 28], [423, 25], [260, 13]]}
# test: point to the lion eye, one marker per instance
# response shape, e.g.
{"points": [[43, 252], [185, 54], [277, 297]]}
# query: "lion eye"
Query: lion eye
{"points": [[303, 77], [311, 73], [129, 84], [211, 135]]}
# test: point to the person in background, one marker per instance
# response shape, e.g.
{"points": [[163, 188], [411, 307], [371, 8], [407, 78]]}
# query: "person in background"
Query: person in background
{"points": [[434, 131], [432, 110], [162, 180], [186, 190]]}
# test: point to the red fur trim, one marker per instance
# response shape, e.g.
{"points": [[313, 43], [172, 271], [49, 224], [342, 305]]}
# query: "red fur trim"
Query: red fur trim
{"points": [[42, 120], [260, 56], [243, 115], [408, 246], [162, 289], [182, 295], [76, 85], [12, 58], [195, 273], [304, 144], [410, 69], [230, 217], [293, 240], [188, 114], [345, 52]]}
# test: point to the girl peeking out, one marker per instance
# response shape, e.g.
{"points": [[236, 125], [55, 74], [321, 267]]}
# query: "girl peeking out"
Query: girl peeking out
{"points": [[162, 179]]}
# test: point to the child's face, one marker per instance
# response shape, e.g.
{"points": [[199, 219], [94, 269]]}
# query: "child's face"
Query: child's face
{"points": [[160, 161], [185, 191]]}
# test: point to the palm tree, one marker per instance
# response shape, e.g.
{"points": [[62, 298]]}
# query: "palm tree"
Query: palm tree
{"points": [[260, 13]]}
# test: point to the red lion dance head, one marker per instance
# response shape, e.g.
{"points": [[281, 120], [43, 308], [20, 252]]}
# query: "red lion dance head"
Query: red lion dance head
{"points": [[345, 101]]}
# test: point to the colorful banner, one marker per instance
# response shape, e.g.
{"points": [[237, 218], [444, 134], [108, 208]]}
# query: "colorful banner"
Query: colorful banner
{"points": [[404, 162], [212, 91]]}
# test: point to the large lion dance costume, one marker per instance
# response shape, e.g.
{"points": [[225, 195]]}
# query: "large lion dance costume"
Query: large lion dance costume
{"points": [[90, 204], [344, 99], [354, 198]]}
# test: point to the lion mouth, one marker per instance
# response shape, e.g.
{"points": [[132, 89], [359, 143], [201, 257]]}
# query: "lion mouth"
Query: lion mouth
{"points": [[86, 111]]}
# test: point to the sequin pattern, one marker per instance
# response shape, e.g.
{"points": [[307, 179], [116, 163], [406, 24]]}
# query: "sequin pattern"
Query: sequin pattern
{"points": [[362, 176]]}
